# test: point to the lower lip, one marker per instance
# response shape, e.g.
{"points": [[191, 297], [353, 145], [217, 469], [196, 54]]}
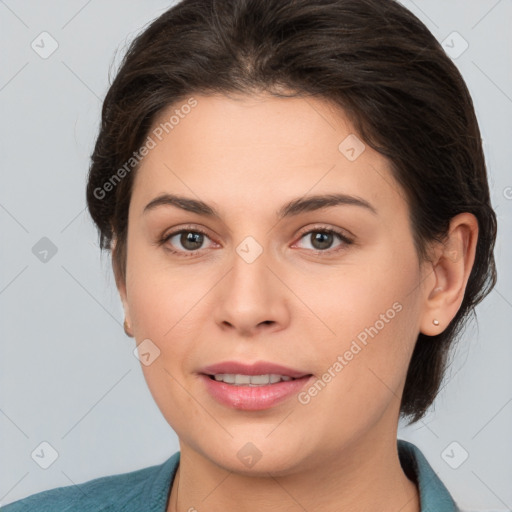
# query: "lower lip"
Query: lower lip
{"points": [[253, 398]]}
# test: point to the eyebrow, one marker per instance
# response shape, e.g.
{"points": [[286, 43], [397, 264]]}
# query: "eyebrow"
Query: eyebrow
{"points": [[294, 207]]}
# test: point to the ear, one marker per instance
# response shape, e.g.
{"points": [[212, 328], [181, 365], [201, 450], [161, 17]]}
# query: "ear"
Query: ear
{"points": [[446, 277], [120, 284]]}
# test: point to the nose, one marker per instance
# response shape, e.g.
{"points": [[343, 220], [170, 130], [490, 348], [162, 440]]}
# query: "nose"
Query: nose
{"points": [[252, 298]]}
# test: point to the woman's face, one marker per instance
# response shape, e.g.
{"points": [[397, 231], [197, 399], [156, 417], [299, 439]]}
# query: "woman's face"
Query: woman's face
{"points": [[270, 282]]}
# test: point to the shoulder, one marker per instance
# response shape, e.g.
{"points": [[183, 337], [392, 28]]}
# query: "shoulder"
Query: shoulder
{"points": [[434, 495], [143, 489]]}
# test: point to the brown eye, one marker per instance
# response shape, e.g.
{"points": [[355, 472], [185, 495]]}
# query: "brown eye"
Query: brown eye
{"points": [[184, 241], [323, 239], [191, 240]]}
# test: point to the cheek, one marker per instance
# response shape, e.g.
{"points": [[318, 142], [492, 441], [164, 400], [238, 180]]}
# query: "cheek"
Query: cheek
{"points": [[154, 292], [371, 296], [162, 309], [372, 317], [165, 300]]}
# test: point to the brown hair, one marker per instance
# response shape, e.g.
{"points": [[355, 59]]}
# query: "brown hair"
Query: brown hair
{"points": [[374, 59]]}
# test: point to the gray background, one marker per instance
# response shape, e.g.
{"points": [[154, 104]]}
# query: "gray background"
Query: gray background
{"points": [[68, 375]]}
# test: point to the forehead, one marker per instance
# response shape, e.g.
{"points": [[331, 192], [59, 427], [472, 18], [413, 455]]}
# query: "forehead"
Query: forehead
{"points": [[255, 121], [260, 147]]}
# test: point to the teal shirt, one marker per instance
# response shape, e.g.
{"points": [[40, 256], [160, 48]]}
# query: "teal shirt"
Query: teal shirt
{"points": [[147, 489]]}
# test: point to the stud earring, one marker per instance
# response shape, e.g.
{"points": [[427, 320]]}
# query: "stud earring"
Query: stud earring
{"points": [[127, 329], [435, 321]]}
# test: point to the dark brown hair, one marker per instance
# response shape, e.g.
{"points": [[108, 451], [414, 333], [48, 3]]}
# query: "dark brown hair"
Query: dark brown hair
{"points": [[372, 58]]}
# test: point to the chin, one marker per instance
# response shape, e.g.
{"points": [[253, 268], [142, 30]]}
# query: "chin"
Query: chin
{"points": [[257, 458]]}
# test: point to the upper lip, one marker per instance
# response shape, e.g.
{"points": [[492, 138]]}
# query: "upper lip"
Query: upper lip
{"points": [[257, 368]]}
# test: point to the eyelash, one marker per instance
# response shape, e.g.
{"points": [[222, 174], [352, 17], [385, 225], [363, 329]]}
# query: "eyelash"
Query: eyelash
{"points": [[346, 241]]}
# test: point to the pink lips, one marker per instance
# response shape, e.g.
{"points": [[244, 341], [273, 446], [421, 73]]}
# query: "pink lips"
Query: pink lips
{"points": [[252, 398]]}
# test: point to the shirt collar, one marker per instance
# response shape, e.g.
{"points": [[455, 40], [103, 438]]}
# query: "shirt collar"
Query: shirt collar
{"points": [[434, 496]]}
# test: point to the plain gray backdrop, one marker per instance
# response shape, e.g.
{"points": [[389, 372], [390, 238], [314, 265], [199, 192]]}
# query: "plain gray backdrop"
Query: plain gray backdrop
{"points": [[68, 375]]}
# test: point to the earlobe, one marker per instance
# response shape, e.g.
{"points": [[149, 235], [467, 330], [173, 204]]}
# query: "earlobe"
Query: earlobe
{"points": [[127, 329], [127, 320], [449, 274], [121, 288]]}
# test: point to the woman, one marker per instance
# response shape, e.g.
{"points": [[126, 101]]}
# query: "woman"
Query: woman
{"points": [[296, 200]]}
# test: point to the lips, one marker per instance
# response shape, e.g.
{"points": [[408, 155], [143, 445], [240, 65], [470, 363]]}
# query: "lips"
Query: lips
{"points": [[252, 387]]}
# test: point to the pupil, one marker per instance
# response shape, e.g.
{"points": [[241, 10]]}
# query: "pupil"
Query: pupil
{"points": [[322, 240], [191, 238]]}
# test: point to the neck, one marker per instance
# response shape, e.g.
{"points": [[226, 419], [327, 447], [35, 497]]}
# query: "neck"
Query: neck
{"points": [[363, 477]]}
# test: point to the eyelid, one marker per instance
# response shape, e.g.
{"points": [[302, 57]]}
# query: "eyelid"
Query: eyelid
{"points": [[322, 227], [185, 227]]}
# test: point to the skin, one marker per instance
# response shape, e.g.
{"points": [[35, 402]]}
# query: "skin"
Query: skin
{"points": [[247, 156]]}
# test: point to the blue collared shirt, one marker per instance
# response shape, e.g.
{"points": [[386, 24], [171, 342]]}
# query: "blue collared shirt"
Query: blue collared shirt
{"points": [[147, 489]]}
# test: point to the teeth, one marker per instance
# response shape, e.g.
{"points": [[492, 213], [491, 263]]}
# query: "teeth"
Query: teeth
{"points": [[242, 379], [251, 380], [258, 379]]}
